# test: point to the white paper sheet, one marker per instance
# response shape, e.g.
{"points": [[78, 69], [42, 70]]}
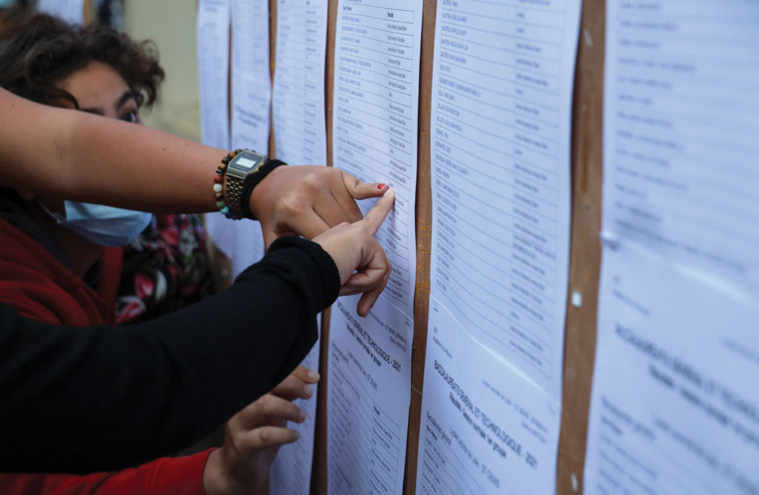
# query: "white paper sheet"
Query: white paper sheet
{"points": [[71, 11], [680, 133], [501, 114], [300, 130], [240, 241], [675, 403], [243, 241], [300, 126], [213, 71], [251, 79], [290, 473], [483, 429], [369, 392], [374, 137], [374, 124], [500, 138]]}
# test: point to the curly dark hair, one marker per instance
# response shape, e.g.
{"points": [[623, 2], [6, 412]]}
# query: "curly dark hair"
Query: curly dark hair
{"points": [[40, 51]]}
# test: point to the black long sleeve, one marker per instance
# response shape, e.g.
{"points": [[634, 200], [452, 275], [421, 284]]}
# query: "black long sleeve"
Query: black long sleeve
{"points": [[102, 398]]}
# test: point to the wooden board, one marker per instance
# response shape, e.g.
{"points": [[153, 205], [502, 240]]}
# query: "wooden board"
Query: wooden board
{"points": [[584, 260]]}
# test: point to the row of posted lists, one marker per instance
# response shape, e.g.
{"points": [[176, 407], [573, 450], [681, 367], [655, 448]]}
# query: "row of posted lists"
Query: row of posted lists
{"points": [[671, 410]]}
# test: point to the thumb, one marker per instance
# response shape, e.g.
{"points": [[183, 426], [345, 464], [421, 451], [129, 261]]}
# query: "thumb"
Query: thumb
{"points": [[362, 190]]}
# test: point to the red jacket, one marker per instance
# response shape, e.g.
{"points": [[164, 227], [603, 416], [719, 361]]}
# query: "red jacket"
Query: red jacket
{"points": [[40, 287]]}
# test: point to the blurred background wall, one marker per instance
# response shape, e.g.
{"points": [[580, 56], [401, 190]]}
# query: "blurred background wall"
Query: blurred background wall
{"points": [[171, 24]]}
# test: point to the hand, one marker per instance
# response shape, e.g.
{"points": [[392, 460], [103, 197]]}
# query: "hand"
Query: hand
{"points": [[361, 261], [253, 437], [306, 200]]}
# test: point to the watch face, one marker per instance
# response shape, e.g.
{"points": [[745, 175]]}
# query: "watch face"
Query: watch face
{"points": [[242, 164]]}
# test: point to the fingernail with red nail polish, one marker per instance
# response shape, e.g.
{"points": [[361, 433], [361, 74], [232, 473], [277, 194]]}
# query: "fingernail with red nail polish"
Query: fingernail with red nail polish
{"points": [[380, 186]]}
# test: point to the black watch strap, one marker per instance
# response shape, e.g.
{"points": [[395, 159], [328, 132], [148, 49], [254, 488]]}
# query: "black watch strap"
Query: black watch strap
{"points": [[247, 188]]}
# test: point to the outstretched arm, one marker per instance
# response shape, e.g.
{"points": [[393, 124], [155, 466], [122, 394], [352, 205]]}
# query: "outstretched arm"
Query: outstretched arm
{"points": [[162, 380], [84, 157]]}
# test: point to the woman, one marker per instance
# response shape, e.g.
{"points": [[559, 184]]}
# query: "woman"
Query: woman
{"points": [[166, 266]]}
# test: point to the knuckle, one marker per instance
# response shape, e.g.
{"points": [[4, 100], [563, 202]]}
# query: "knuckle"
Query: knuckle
{"points": [[314, 181], [289, 204], [265, 435]]}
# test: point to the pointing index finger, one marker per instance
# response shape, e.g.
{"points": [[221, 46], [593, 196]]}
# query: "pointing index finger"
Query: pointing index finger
{"points": [[374, 218]]}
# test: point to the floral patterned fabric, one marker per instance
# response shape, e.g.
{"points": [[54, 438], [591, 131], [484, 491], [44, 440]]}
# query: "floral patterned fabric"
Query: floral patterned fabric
{"points": [[164, 269]]}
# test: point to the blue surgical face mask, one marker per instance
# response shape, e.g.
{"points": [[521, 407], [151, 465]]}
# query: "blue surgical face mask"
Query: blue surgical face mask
{"points": [[102, 225]]}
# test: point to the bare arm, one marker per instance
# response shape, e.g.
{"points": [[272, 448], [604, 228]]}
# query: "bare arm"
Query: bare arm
{"points": [[84, 157], [95, 159]]}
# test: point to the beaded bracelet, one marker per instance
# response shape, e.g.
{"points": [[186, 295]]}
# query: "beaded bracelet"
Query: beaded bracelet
{"points": [[218, 187]]}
